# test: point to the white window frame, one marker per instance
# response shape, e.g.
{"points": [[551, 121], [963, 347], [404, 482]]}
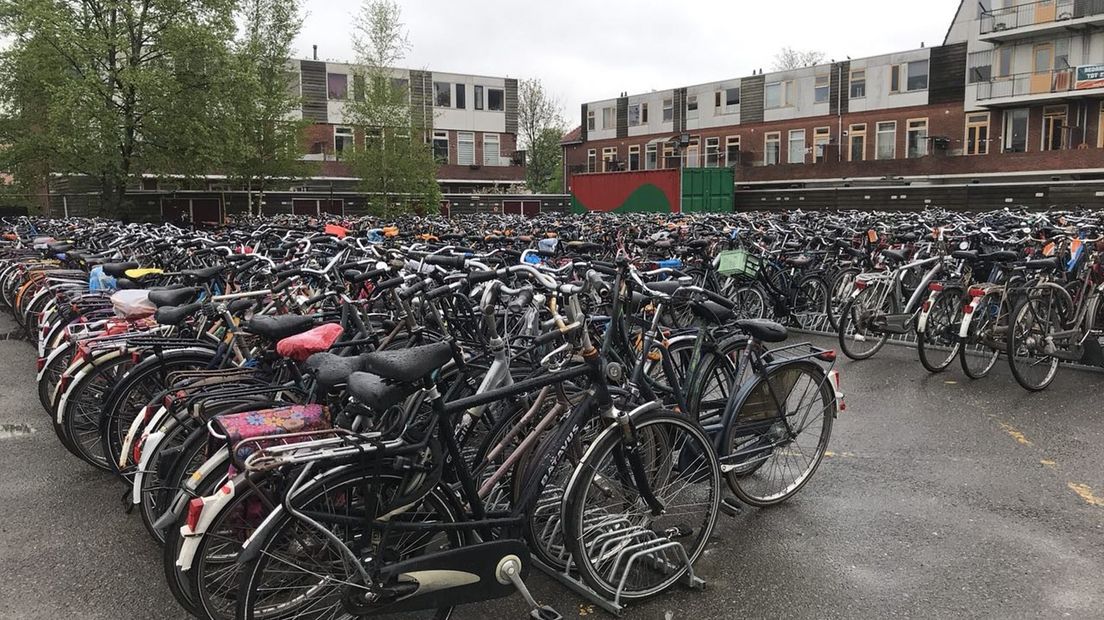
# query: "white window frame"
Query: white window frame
{"points": [[878, 136], [651, 156], [731, 108], [981, 147], [790, 151], [592, 160], [639, 109], [460, 141], [668, 110], [447, 89], [634, 150], [592, 121], [438, 135], [731, 141], [822, 137], [713, 151], [907, 77], [487, 93], [349, 141], [853, 133], [496, 158], [766, 147], [818, 87], [609, 118], [786, 86], [1007, 133], [851, 84], [609, 154], [692, 113], [912, 125]]}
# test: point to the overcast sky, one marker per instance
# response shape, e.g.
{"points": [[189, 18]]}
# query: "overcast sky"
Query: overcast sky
{"points": [[585, 50]]}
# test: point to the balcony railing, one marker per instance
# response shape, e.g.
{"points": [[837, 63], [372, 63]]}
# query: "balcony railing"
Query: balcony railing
{"points": [[1038, 13], [1042, 83]]}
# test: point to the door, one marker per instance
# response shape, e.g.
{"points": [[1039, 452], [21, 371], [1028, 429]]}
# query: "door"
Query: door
{"points": [[174, 209], [206, 211], [304, 206], [511, 207], [530, 208], [334, 207], [1043, 67]]}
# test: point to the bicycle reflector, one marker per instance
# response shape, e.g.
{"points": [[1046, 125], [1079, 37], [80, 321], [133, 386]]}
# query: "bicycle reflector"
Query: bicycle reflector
{"points": [[828, 355], [935, 286], [977, 292], [195, 508], [861, 284]]}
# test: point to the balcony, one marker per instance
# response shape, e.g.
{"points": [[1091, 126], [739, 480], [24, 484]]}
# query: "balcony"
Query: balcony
{"points": [[1085, 81], [1041, 18]]}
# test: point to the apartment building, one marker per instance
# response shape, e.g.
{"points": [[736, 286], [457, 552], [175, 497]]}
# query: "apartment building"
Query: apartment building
{"points": [[1014, 92], [473, 120]]}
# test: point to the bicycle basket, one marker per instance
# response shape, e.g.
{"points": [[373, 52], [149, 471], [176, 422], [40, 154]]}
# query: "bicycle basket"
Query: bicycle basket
{"points": [[738, 263]]}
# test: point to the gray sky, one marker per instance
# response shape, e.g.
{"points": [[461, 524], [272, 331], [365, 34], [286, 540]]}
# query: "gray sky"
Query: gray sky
{"points": [[593, 49]]}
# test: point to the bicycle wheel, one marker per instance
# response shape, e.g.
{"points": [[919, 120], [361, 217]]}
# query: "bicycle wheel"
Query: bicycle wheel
{"points": [[1032, 321], [749, 302], [811, 305], [50, 376], [841, 288], [617, 544], [938, 344], [84, 402], [979, 353], [300, 573], [713, 381], [857, 337], [771, 449]]}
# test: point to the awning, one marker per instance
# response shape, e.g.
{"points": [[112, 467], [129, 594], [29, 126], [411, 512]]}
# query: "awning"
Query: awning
{"points": [[662, 139]]}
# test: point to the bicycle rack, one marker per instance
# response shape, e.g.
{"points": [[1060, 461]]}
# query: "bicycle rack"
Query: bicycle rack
{"points": [[622, 546]]}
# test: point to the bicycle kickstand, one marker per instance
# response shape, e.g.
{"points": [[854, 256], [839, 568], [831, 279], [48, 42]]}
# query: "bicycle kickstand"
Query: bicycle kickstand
{"points": [[509, 571]]}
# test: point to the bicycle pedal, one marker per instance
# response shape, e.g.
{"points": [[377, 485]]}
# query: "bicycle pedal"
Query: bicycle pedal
{"points": [[544, 612], [731, 507]]}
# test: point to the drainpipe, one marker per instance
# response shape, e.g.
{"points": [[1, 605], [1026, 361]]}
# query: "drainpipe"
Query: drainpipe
{"points": [[839, 111]]}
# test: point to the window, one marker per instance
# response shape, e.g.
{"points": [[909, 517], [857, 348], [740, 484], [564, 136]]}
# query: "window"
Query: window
{"points": [[465, 148], [609, 156], [857, 142], [713, 152], [917, 137], [609, 118], [337, 86], [638, 114], [1043, 55], [821, 88], [495, 99], [359, 88], [634, 157], [917, 75], [590, 120], [1004, 61], [732, 150], [796, 153], [478, 96], [977, 134], [592, 160], [692, 107], [858, 83], [886, 140], [668, 110], [1061, 54], [491, 153], [1015, 130], [693, 151], [461, 96], [822, 137], [981, 73], [650, 157], [442, 94], [373, 138], [1054, 127], [895, 79], [441, 146], [727, 101], [772, 146], [343, 140], [777, 95], [669, 159]]}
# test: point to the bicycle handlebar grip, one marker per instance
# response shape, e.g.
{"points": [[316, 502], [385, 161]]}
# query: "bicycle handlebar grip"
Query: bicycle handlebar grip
{"points": [[392, 283], [547, 337], [282, 285], [438, 292], [720, 299], [445, 261], [411, 290], [482, 276], [287, 273], [368, 275]]}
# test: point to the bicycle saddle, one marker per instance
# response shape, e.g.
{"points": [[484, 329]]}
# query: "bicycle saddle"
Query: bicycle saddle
{"points": [[377, 392], [173, 296], [895, 256], [712, 312], [798, 261], [279, 327], [205, 274], [970, 255], [1043, 263], [118, 270], [175, 315], [408, 365], [331, 370], [1002, 256], [666, 287], [762, 329]]}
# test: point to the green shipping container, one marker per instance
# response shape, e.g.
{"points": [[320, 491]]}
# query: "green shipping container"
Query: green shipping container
{"points": [[707, 190]]}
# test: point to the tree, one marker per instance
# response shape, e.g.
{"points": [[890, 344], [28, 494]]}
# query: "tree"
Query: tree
{"points": [[790, 58], [540, 129], [396, 165], [139, 86], [263, 138]]}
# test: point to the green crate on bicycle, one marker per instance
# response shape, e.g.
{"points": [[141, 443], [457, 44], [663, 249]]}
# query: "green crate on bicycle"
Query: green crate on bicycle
{"points": [[738, 264]]}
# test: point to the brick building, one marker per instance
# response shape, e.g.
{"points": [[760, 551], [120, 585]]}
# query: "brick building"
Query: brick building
{"points": [[473, 120], [1014, 93]]}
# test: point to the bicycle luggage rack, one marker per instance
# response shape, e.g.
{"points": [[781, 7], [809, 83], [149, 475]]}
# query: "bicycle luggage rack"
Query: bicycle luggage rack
{"points": [[628, 545]]}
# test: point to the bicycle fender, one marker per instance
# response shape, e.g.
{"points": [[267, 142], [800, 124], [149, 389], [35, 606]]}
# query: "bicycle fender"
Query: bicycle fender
{"points": [[922, 321], [87, 367]]}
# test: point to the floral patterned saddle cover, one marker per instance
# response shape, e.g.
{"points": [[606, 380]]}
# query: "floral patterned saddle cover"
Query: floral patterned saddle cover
{"points": [[238, 427]]}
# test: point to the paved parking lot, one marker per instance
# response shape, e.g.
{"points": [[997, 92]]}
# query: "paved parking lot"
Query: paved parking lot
{"points": [[941, 497]]}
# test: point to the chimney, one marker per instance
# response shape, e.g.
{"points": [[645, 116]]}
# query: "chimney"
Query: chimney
{"points": [[315, 52]]}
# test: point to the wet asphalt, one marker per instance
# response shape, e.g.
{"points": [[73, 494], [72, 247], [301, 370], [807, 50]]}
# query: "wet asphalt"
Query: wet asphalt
{"points": [[941, 497]]}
